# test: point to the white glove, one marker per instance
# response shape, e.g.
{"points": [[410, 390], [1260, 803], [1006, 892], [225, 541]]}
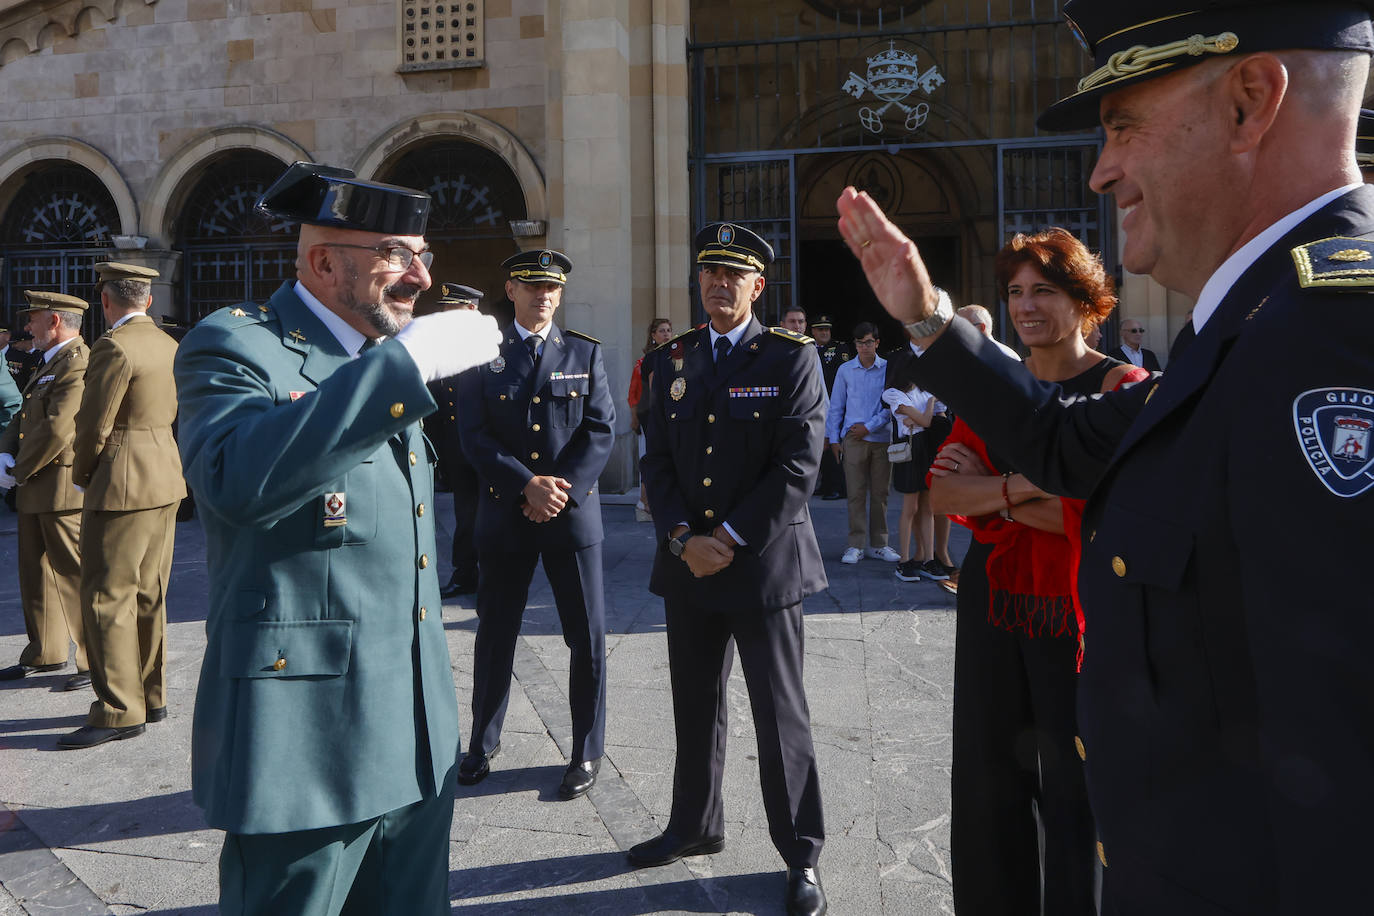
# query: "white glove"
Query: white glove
{"points": [[446, 343], [6, 466]]}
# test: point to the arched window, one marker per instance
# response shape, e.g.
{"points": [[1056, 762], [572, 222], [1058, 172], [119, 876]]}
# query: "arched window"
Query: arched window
{"points": [[231, 253], [57, 225]]}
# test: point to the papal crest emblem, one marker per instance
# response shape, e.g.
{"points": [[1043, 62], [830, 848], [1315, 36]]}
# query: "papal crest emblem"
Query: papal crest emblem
{"points": [[545, 258], [1334, 427], [726, 235]]}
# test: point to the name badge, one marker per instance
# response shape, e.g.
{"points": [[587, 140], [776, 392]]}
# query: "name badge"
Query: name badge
{"points": [[335, 510]]}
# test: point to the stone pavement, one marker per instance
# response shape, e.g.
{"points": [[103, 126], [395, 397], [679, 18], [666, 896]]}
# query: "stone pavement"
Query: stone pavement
{"points": [[113, 829]]}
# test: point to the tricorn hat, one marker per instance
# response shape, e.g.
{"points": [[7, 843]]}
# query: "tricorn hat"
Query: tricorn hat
{"points": [[324, 195]]}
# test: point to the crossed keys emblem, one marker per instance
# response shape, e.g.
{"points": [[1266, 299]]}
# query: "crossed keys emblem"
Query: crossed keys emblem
{"points": [[892, 76]]}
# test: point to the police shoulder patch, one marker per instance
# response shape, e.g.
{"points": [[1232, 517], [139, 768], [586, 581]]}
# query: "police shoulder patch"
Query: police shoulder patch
{"points": [[1335, 429], [793, 336], [1343, 263], [578, 334]]}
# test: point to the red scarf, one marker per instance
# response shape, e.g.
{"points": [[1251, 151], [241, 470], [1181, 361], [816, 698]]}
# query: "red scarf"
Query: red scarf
{"points": [[1032, 574]]}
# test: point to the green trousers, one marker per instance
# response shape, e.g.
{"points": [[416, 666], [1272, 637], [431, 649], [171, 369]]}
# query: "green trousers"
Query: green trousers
{"points": [[393, 865]]}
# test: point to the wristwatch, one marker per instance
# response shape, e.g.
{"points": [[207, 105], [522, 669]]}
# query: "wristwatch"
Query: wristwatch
{"points": [[678, 544], [944, 311]]}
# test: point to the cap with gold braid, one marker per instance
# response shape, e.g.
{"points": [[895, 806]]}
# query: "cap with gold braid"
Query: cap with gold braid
{"points": [[539, 266], [54, 302], [456, 295], [731, 245], [1138, 41]]}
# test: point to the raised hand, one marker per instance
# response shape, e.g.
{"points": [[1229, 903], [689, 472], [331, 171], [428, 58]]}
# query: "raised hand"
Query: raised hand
{"points": [[890, 260]]}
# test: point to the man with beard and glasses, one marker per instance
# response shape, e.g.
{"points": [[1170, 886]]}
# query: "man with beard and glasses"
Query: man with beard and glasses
{"points": [[325, 736]]}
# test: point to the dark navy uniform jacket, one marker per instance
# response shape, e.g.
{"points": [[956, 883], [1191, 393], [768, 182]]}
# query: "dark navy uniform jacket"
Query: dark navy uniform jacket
{"points": [[518, 421], [741, 446], [1227, 695]]}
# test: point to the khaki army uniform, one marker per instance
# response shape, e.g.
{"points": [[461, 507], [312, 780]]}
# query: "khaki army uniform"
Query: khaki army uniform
{"points": [[127, 461], [40, 439]]}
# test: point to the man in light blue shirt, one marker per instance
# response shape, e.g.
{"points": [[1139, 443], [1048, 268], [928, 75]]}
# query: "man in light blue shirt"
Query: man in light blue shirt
{"points": [[857, 432]]}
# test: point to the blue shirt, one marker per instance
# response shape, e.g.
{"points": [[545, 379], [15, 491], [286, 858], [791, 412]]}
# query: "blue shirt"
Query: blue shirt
{"points": [[858, 398]]}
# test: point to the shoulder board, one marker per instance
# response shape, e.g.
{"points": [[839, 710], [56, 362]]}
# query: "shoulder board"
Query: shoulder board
{"points": [[235, 316], [578, 334], [791, 335], [672, 340], [1344, 263]]}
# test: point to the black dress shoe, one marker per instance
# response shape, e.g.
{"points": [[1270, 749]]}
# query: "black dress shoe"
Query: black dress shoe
{"points": [[475, 767], [77, 681], [157, 713], [15, 672], [805, 896], [667, 847], [579, 778], [457, 586], [91, 735]]}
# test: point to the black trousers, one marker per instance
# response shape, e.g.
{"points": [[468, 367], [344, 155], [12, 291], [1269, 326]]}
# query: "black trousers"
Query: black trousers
{"points": [[1014, 756], [502, 591], [462, 478], [701, 647]]}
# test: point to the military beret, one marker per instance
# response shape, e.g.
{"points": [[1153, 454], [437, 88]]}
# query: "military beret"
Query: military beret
{"points": [[729, 245], [459, 295], [822, 321], [54, 302], [115, 270], [1364, 140], [324, 195], [539, 266], [1134, 42]]}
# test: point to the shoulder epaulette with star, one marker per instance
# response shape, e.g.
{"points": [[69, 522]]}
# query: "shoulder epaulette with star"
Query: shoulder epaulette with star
{"points": [[793, 336], [1343, 263], [579, 335]]}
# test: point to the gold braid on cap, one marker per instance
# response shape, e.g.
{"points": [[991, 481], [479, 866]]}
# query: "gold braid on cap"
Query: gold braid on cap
{"points": [[1137, 59]]}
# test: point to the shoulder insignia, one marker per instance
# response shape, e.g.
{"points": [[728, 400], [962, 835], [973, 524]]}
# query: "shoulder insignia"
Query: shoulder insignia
{"points": [[791, 335], [1344, 263], [238, 313], [672, 340], [580, 336]]}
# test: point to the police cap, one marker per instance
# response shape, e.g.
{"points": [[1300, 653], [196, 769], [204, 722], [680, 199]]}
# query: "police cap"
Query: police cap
{"points": [[540, 265], [324, 195], [822, 321], [1134, 42], [456, 294], [734, 246]]}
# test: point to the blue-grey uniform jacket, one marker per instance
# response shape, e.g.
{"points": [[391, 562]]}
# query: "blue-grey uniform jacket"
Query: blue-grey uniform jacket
{"points": [[326, 696]]}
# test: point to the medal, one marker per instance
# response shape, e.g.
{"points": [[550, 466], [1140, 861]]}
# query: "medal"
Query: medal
{"points": [[678, 388], [335, 506], [497, 364]]}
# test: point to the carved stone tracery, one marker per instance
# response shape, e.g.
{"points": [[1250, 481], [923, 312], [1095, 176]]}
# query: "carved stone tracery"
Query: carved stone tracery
{"points": [[23, 22]]}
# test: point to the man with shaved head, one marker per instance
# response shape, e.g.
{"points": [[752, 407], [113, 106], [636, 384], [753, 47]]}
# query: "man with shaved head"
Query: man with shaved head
{"points": [[1226, 709], [325, 737]]}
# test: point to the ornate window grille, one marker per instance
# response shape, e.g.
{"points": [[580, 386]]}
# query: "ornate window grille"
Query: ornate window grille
{"points": [[440, 34], [475, 194], [57, 226], [231, 253]]}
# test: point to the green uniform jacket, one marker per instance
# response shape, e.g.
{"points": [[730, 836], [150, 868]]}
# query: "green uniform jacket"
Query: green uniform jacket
{"points": [[326, 695], [40, 438], [126, 457]]}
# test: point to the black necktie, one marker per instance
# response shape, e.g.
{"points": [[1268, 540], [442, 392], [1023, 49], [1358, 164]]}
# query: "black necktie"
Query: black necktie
{"points": [[532, 344], [722, 351]]}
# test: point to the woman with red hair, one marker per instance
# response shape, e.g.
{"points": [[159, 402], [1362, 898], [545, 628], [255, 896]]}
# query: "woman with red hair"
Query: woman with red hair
{"points": [[1019, 627]]}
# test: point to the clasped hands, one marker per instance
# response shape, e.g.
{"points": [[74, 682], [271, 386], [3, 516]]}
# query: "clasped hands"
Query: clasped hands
{"points": [[706, 555], [545, 497]]}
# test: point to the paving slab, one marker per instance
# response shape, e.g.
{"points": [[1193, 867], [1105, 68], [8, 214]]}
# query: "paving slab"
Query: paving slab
{"points": [[113, 829]]}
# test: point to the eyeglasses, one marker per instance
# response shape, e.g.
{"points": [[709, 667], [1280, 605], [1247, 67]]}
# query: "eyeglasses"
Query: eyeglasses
{"points": [[398, 257], [870, 342], [1135, 330]]}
